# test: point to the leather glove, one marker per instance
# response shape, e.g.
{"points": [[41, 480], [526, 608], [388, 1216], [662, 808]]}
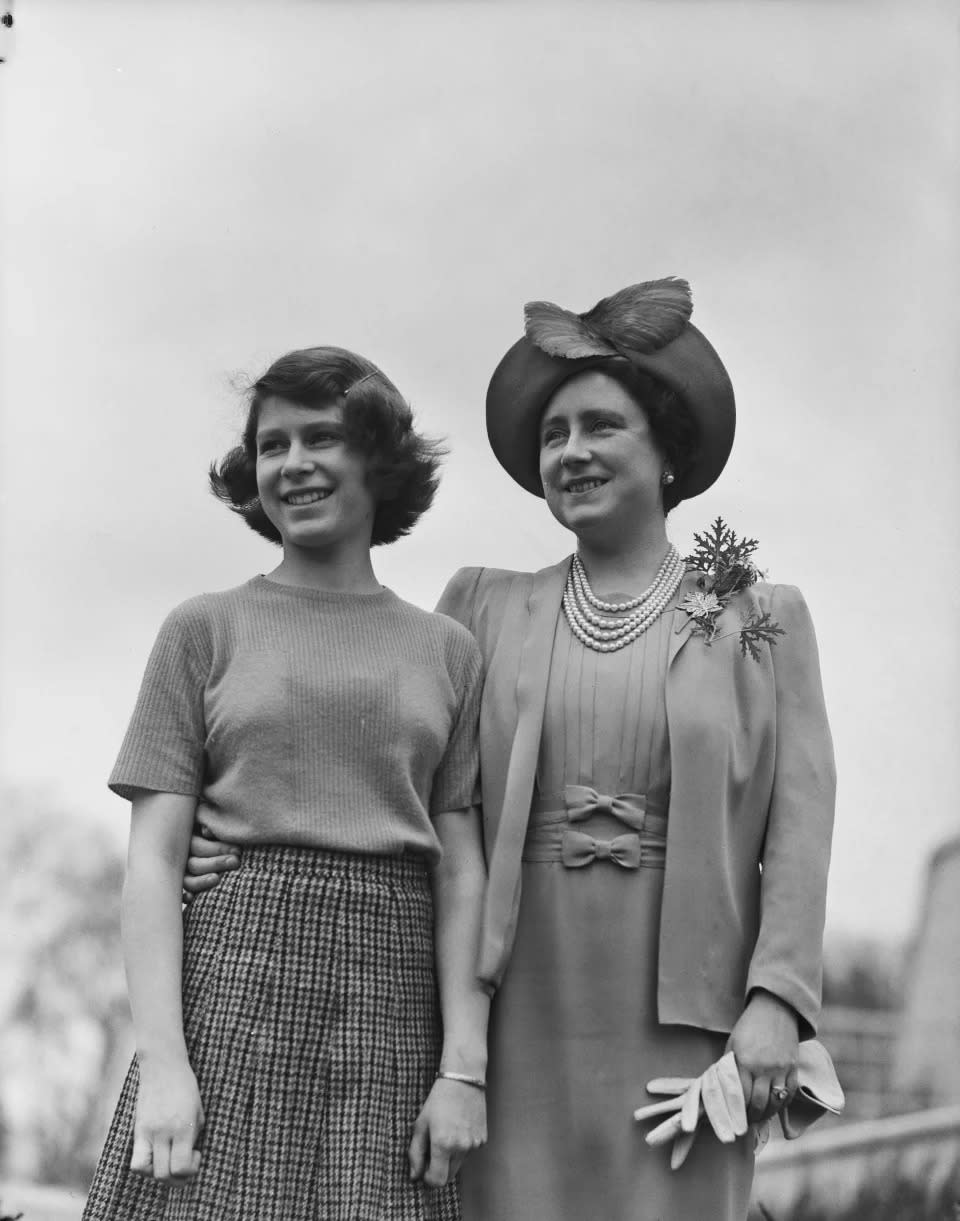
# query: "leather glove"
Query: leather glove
{"points": [[717, 1093], [818, 1090]]}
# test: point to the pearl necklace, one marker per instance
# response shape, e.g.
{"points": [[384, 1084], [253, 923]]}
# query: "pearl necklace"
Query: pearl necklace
{"points": [[606, 635]]}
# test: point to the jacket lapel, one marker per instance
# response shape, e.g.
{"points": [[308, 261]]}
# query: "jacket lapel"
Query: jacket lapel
{"points": [[682, 623], [503, 889]]}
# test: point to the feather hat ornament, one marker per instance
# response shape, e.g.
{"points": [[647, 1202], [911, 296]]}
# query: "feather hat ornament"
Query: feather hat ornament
{"points": [[641, 319], [647, 324]]}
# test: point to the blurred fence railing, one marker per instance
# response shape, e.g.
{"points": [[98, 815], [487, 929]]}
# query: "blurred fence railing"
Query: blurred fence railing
{"points": [[829, 1169], [862, 1042]]}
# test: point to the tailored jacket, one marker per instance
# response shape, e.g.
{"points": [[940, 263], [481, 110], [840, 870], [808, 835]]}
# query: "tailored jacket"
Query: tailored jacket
{"points": [[751, 800]]}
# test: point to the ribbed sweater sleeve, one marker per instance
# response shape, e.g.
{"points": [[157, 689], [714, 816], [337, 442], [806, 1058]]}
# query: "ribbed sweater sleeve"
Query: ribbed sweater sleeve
{"points": [[456, 783], [163, 746]]}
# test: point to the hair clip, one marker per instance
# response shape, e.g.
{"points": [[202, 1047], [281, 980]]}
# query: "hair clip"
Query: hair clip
{"points": [[366, 377]]}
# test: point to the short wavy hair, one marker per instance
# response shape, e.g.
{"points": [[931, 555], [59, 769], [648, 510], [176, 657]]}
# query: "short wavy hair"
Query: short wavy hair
{"points": [[674, 429], [403, 464]]}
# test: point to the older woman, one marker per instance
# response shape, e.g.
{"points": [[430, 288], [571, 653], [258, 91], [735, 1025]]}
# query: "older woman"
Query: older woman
{"points": [[290, 1058], [657, 783]]}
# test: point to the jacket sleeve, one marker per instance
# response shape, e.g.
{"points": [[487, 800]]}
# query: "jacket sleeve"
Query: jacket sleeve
{"points": [[458, 599], [787, 958]]}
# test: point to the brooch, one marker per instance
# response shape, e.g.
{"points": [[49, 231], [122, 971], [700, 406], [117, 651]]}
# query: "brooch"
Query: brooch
{"points": [[727, 565]]}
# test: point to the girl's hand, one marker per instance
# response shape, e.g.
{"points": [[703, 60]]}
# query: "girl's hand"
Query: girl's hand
{"points": [[208, 859], [766, 1045], [168, 1124], [452, 1122]]}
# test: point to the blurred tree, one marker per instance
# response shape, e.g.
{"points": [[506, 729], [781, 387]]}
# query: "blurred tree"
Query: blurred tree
{"points": [[861, 973], [927, 1056], [64, 1024]]}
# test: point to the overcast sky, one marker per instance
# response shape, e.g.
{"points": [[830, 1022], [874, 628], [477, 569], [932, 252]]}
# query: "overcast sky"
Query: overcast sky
{"points": [[191, 189]]}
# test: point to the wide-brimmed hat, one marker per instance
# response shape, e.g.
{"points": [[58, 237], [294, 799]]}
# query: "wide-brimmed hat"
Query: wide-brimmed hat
{"points": [[647, 324]]}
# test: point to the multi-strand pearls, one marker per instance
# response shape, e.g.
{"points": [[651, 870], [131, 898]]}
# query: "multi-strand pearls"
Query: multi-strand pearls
{"points": [[605, 634]]}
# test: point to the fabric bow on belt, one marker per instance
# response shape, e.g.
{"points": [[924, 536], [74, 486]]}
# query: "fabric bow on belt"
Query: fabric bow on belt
{"points": [[582, 802], [717, 1093], [578, 849]]}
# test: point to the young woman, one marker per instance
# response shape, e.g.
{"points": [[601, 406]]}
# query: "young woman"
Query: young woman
{"points": [[291, 1060], [657, 785]]}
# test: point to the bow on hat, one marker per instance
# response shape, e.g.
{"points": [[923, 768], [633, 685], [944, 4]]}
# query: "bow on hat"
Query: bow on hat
{"points": [[637, 320]]}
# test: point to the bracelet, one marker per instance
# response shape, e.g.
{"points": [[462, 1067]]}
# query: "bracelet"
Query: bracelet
{"points": [[476, 1082]]}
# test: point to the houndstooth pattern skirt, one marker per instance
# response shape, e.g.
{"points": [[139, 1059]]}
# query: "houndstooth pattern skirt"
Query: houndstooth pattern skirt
{"points": [[312, 1024]]}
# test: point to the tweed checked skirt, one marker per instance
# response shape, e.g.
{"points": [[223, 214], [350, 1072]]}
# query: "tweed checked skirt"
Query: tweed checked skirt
{"points": [[312, 1024]]}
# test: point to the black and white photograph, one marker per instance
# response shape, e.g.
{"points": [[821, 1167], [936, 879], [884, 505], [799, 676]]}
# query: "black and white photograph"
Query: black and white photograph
{"points": [[479, 610]]}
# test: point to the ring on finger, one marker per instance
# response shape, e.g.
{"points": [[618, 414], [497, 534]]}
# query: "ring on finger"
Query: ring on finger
{"points": [[780, 1093]]}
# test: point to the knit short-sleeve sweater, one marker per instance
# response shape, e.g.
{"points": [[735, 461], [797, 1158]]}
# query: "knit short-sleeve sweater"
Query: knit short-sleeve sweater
{"points": [[299, 716]]}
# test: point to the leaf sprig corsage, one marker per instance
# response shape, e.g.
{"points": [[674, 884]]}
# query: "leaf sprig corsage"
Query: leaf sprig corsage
{"points": [[727, 565]]}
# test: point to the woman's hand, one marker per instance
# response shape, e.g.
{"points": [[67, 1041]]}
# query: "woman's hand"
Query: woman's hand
{"points": [[168, 1123], [766, 1045], [454, 1118], [207, 860], [452, 1121]]}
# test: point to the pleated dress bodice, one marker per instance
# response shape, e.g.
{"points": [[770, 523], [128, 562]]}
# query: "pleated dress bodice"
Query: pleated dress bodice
{"points": [[605, 721]]}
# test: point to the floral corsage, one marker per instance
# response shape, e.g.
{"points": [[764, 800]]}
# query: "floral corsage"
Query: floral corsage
{"points": [[726, 563]]}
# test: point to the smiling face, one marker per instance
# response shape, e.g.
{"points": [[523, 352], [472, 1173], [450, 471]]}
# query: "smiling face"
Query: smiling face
{"points": [[312, 486], [600, 466]]}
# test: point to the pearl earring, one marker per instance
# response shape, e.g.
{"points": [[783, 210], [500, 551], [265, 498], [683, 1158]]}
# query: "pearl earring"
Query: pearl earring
{"points": [[667, 477]]}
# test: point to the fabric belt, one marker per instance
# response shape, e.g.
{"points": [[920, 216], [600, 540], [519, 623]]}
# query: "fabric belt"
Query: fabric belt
{"points": [[551, 835]]}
